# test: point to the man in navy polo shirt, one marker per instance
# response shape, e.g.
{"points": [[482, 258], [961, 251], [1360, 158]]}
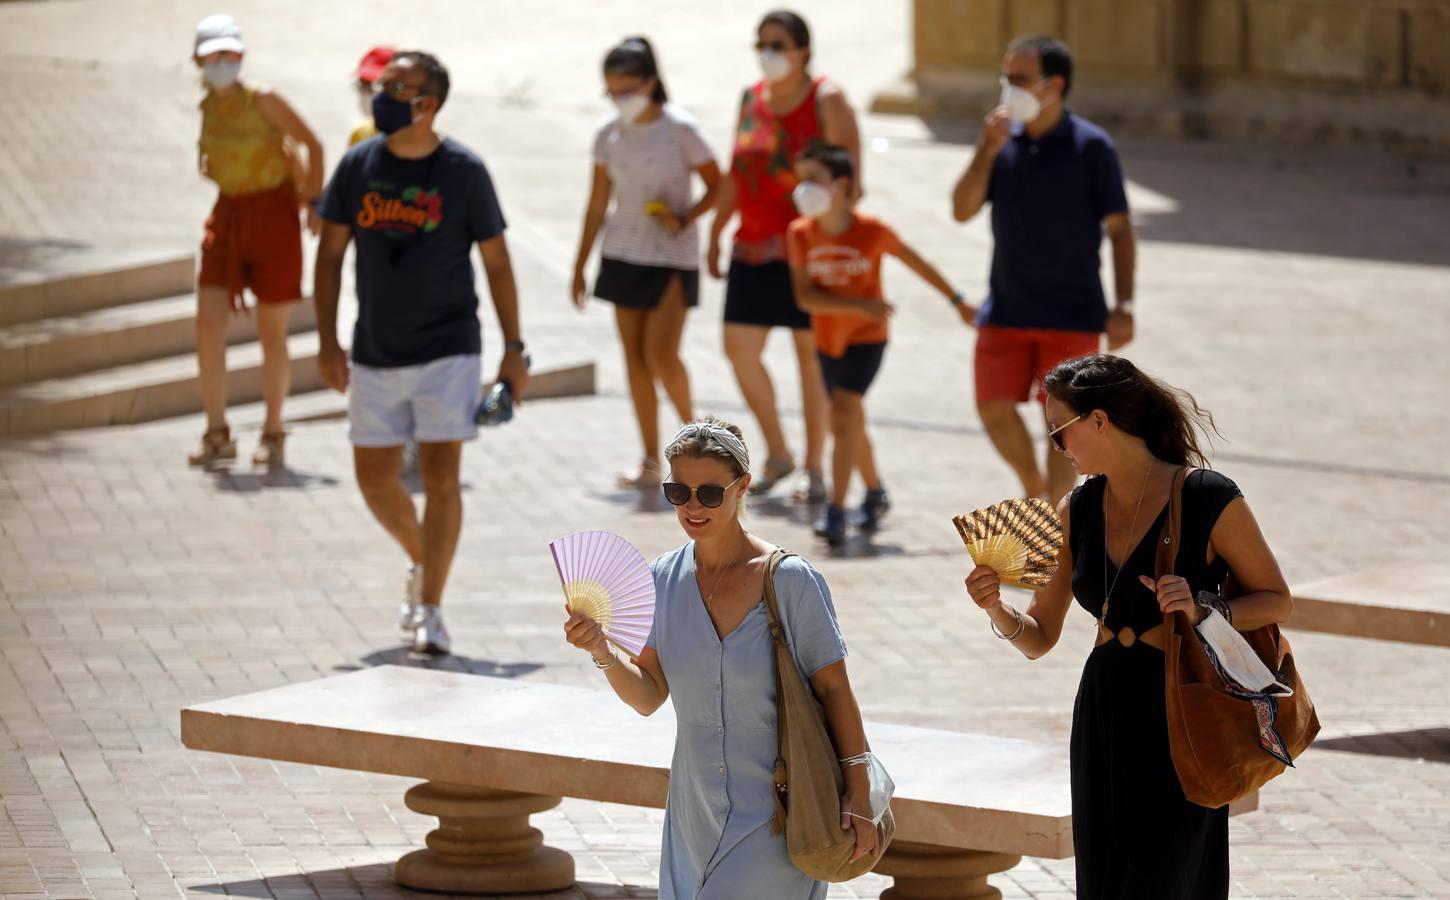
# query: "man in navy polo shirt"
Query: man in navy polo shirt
{"points": [[416, 204], [1055, 185]]}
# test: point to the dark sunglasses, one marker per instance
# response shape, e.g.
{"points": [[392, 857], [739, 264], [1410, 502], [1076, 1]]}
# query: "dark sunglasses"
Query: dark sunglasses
{"points": [[1055, 435], [777, 46], [397, 89], [709, 495]]}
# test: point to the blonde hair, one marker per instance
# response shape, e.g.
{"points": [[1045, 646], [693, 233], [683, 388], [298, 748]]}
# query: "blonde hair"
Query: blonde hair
{"points": [[698, 440]]}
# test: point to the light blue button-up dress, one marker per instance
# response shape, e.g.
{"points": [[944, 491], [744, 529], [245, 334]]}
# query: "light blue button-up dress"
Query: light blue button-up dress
{"points": [[717, 841]]}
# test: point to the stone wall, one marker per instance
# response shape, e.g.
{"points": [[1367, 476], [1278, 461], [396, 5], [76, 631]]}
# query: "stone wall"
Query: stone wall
{"points": [[1367, 70]]}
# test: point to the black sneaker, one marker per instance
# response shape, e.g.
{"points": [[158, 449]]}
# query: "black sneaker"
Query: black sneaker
{"points": [[831, 525], [872, 510]]}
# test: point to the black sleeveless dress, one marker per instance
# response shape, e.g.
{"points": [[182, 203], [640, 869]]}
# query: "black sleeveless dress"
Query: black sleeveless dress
{"points": [[1136, 836]]}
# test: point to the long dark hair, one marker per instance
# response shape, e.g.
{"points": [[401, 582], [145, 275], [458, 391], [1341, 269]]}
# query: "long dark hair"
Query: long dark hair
{"points": [[634, 56], [1166, 418]]}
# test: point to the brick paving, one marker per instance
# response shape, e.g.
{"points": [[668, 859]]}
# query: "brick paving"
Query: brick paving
{"points": [[1300, 293]]}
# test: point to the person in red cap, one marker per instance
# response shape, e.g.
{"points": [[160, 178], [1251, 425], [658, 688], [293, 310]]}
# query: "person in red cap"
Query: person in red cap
{"points": [[368, 69]]}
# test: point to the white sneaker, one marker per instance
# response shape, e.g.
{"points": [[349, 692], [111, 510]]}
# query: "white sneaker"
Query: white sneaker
{"points": [[412, 596], [431, 636]]}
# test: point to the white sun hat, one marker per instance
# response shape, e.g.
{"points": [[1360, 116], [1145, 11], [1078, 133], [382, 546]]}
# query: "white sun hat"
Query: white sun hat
{"points": [[218, 33]]}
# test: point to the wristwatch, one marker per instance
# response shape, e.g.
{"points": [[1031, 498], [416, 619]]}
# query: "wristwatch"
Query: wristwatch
{"points": [[513, 346], [1125, 307]]}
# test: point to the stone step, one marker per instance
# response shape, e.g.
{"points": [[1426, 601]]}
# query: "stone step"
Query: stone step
{"points": [[116, 336], [141, 392], [100, 280]]}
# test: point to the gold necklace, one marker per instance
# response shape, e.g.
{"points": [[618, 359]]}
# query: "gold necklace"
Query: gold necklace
{"points": [[711, 596], [1128, 546]]}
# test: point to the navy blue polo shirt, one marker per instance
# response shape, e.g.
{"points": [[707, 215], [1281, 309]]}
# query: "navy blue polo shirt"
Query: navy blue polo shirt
{"points": [[1049, 198]]}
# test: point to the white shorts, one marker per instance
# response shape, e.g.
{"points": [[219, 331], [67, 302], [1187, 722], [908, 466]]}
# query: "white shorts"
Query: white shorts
{"points": [[435, 402]]}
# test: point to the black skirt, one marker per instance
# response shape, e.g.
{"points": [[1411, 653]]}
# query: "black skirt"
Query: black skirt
{"points": [[1137, 837], [761, 294], [634, 286]]}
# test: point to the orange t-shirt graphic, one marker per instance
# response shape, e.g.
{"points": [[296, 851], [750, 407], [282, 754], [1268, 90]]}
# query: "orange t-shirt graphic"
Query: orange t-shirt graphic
{"points": [[847, 265]]}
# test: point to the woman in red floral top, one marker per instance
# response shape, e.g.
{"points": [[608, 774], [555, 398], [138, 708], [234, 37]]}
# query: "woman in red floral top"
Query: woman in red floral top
{"points": [[788, 110]]}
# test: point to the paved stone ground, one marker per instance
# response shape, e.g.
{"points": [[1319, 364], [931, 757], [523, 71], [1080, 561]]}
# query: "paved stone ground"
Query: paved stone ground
{"points": [[1300, 293]]}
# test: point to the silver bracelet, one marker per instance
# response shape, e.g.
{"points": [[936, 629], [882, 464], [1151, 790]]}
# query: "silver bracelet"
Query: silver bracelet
{"points": [[859, 760], [1021, 625], [601, 666]]}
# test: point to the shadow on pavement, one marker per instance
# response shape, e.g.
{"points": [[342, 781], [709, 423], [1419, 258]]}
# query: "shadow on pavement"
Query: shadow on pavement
{"points": [[1428, 744], [404, 656], [376, 880], [645, 500], [248, 482], [1343, 201]]}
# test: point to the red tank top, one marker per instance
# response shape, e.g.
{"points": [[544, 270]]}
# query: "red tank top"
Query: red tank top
{"points": [[763, 168]]}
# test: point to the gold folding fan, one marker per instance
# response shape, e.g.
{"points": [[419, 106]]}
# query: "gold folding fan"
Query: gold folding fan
{"points": [[1019, 539]]}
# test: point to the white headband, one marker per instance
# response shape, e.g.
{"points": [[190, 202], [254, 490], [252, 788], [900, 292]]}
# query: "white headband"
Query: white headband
{"points": [[724, 436]]}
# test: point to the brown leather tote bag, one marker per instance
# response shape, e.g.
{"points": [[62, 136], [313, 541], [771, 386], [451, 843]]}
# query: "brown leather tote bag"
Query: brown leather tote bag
{"points": [[1226, 742], [808, 780]]}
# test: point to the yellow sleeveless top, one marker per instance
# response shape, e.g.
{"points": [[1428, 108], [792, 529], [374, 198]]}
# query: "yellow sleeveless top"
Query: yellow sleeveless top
{"points": [[244, 154]]}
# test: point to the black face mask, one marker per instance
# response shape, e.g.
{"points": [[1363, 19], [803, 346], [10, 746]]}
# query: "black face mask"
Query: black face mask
{"points": [[391, 114]]}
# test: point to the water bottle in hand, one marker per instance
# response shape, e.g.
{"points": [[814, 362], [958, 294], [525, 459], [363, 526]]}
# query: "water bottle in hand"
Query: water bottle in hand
{"points": [[497, 406]]}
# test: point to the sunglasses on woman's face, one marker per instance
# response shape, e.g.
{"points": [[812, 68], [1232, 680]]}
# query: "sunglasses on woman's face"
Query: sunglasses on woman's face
{"points": [[1055, 435], [777, 46], [709, 495]]}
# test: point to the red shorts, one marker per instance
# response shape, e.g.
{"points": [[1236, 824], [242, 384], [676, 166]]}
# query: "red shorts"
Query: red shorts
{"points": [[1011, 361], [255, 241]]}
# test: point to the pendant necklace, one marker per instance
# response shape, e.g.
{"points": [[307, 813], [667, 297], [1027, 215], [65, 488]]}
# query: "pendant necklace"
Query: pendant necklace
{"points": [[1108, 589]]}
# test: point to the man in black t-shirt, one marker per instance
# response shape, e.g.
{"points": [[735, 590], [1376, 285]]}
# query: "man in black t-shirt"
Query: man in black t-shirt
{"points": [[415, 203]]}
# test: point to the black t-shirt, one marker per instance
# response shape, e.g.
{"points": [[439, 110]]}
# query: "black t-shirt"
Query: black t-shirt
{"points": [[415, 222]]}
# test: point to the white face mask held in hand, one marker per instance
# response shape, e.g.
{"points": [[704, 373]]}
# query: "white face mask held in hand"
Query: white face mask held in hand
{"points": [[774, 65], [1237, 659], [882, 787], [631, 107], [811, 199], [222, 73]]}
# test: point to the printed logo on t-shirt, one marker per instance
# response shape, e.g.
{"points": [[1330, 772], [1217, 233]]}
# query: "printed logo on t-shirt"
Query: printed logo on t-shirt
{"points": [[836, 266], [412, 211]]}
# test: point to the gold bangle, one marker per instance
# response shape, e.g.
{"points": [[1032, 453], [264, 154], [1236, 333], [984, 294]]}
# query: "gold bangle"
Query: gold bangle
{"points": [[602, 666]]}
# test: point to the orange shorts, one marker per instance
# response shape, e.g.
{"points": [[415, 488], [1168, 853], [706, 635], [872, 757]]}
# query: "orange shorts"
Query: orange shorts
{"points": [[1010, 362], [255, 241]]}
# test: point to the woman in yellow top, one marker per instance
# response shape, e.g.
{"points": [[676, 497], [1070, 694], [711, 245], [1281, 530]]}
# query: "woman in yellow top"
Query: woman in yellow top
{"points": [[253, 236]]}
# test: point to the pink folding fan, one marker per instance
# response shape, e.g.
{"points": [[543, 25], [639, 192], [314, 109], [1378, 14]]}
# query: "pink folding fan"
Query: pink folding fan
{"points": [[607, 579]]}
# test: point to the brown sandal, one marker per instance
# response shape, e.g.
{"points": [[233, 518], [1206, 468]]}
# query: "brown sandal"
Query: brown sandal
{"points": [[269, 452], [216, 445]]}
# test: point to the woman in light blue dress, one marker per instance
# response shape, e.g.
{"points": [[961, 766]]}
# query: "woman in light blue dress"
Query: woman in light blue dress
{"points": [[710, 650]]}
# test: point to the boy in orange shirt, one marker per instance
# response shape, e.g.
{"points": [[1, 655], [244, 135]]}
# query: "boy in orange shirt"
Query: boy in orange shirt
{"points": [[835, 262]]}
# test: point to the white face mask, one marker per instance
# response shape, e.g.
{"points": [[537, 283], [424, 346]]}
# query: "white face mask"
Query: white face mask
{"points": [[221, 73], [1022, 105], [631, 106], [775, 65], [812, 199]]}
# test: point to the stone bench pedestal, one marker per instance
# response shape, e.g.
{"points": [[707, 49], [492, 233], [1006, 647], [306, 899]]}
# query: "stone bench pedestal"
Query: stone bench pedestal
{"points": [[484, 843], [926, 872]]}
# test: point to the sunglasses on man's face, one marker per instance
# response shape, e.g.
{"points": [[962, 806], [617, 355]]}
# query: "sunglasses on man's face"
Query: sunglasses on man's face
{"points": [[709, 495], [397, 89], [1055, 435]]}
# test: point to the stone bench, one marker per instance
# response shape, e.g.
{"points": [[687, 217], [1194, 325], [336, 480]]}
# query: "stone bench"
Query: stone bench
{"points": [[1407, 603], [493, 752]]}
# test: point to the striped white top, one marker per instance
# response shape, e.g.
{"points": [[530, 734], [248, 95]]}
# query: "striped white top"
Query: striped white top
{"points": [[647, 163]]}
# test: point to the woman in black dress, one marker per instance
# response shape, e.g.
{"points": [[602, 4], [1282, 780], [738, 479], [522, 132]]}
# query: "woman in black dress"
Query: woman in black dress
{"points": [[1136, 836]]}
